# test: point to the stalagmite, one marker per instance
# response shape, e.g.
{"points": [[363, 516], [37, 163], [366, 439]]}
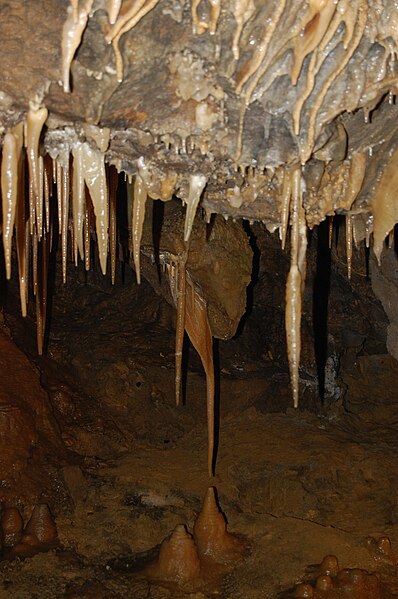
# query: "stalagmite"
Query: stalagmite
{"points": [[196, 186], [34, 125], [178, 559], [42, 525], [72, 32], [212, 539], [93, 164], [295, 280], [385, 205], [140, 198], [9, 193]]}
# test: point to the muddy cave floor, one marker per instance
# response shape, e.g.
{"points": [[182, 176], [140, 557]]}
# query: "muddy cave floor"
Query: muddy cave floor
{"points": [[298, 485]]}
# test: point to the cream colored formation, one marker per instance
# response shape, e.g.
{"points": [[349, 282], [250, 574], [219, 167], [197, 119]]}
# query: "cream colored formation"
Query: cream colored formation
{"points": [[89, 184]]}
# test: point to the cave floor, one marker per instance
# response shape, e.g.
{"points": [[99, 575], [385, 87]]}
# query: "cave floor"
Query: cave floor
{"points": [[297, 485]]}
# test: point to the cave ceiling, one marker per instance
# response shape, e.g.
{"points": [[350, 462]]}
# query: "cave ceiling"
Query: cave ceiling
{"points": [[281, 112]]}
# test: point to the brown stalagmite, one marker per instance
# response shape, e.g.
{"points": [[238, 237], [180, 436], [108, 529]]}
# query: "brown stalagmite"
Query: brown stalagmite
{"points": [[113, 179], [11, 524], [42, 525], [213, 541], [140, 198], [198, 329], [295, 281], [34, 125], [180, 325], [178, 559]]}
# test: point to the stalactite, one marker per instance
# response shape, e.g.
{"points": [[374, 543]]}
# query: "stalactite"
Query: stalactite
{"points": [[385, 205], [330, 231], [348, 238], [198, 329], [93, 164], [294, 284], [181, 317], [34, 125], [313, 28], [285, 205], [9, 193], [113, 9], [140, 198], [243, 11], [48, 176], [34, 261], [41, 295], [362, 13], [74, 26], [59, 178], [125, 22], [113, 180], [87, 237], [253, 68], [65, 220], [22, 238], [196, 186], [78, 197]]}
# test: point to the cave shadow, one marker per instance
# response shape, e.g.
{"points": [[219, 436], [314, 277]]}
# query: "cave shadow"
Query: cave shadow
{"points": [[320, 303], [254, 277]]}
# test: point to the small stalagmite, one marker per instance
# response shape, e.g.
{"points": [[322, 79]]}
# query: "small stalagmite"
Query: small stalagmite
{"points": [[11, 525], [42, 525], [210, 533], [178, 559], [303, 591]]}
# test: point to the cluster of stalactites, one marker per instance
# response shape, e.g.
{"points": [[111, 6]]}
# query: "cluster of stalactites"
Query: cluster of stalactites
{"points": [[71, 193], [310, 36]]}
